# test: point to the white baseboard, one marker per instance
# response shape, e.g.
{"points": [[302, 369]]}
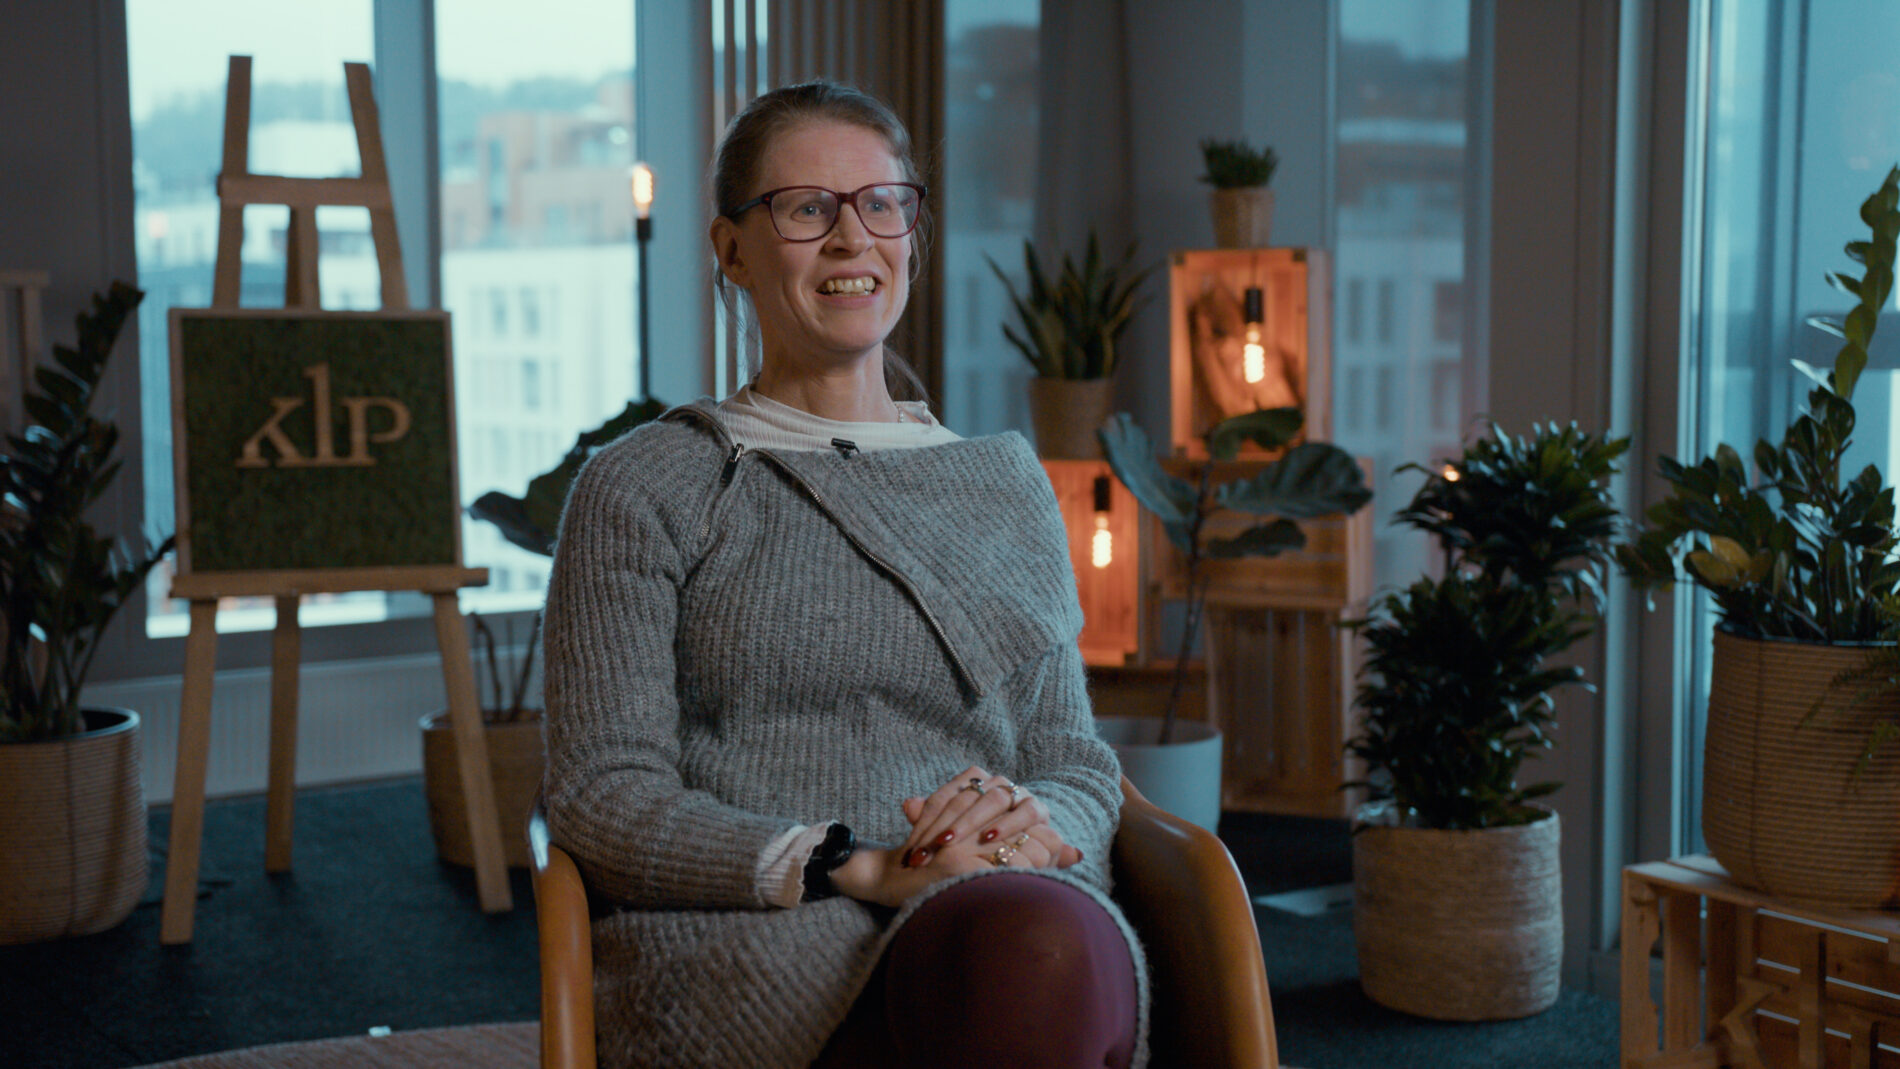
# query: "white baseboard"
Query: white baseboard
{"points": [[356, 721]]}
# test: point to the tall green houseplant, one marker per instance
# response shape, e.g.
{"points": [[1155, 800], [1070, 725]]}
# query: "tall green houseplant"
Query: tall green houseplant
{"points": [[1457, 686], [1456, 876], [1308, 481], [62, 582], [1799, 559]]}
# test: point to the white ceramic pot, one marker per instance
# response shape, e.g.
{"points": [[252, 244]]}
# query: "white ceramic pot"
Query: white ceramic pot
{"points": [[1182, 777]]}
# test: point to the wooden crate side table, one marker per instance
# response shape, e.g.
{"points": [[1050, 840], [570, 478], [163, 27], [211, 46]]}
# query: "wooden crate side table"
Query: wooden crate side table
{"points": [[1751, 981]]}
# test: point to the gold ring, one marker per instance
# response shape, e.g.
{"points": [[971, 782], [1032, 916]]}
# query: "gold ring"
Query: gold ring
{"points": [[1002, 855], [1020, 841], [1015, 795]]}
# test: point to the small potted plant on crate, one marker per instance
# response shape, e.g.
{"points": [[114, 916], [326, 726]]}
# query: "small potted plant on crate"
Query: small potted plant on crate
{"points": [[1241, 203], [1457, 892], [1308, 481]]}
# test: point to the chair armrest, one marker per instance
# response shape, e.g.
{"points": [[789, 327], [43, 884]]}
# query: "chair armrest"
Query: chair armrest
{"points": [[567, 952], [1180, 889]]}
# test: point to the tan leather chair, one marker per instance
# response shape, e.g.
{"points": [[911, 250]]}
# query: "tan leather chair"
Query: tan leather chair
{"points": [[1174, 880]]}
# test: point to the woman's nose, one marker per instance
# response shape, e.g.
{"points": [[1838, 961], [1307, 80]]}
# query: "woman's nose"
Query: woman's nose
{"points": [[848, 233]]}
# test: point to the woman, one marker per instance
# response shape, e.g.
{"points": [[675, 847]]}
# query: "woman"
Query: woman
{"points": [[817, 718]]}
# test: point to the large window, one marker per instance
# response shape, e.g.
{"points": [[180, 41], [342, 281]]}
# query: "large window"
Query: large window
{"points": [[988, 205], [535, 122], [1799, 126], [300, 125], [537, 139], [1399, 264]]}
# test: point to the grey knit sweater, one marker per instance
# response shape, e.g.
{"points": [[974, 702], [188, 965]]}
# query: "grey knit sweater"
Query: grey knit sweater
{"points": [[739, 641]]}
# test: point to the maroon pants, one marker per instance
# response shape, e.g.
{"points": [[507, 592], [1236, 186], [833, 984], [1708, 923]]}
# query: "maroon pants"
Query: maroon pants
{"points": [[1005, 970]]}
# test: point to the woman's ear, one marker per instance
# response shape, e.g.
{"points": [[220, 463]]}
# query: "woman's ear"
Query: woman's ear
{"points": [[725, 242]]}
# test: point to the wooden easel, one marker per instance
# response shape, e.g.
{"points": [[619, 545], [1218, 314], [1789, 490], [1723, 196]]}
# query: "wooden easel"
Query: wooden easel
{"points": [[238, 187]]}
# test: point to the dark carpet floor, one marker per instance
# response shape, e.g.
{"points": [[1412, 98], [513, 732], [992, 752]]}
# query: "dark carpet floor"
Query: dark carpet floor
{"points": [[370, 930]]}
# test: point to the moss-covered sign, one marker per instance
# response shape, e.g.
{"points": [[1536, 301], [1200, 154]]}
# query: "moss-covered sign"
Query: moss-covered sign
{"points": [[312, 440]]}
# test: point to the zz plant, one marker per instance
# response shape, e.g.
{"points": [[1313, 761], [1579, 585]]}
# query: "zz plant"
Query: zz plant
{"points": [[1792, 550], [1308, 481], [60, 581], [1456, 688]]}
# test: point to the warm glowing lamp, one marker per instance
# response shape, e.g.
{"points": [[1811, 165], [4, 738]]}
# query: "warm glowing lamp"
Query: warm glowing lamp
{"points": [[642, 232], [643, 194], [1449, 474], [1102, 543], [1253, 355]]}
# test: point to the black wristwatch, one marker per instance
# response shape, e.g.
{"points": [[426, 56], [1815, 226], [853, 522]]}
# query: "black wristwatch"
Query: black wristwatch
{"points": [[837, 849]]}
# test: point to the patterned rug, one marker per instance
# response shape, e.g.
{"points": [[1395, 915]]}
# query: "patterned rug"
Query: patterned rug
{"points": [[481, 1046]]}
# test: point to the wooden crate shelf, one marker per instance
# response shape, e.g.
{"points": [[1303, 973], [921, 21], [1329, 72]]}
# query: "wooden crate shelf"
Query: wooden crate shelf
{"points": [[1281, 670], [1750, 981]]}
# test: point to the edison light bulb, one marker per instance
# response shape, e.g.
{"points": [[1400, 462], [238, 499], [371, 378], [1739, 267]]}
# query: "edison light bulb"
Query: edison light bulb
{"points": [[642, 190], [1102, 544], [1253, 356]]}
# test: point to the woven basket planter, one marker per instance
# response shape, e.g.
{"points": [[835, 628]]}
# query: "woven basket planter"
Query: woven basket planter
{"points": [[1782, 808], [72, 831], [1065, 414], [516, 757], [1243, 218], [1459, 925]]}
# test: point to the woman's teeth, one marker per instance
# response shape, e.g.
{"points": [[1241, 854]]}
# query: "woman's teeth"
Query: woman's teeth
{"points": [[849, 286]]}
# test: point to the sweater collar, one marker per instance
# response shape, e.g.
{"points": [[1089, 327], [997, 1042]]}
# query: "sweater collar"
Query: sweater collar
{"points": [[986, 593]]}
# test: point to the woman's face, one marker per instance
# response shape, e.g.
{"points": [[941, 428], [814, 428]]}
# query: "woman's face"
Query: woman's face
{"points": [[803, 315]]}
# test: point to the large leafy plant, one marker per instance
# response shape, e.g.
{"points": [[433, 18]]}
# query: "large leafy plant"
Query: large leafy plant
{"points": [[531, 521], [61, 581], [1069, 326], [1456, 688], [1308, 481], [1791, 550]]}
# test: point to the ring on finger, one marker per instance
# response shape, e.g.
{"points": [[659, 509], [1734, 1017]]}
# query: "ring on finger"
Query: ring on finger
{"points": [[975, 784], [1020, 841], [1002, 855], [1016, 794]]}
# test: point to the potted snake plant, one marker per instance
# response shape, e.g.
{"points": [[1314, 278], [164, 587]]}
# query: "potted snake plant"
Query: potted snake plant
{"points": [[1069, 326], [72, 811]]}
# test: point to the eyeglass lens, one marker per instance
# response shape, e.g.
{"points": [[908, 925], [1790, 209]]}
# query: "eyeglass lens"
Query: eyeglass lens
{"points": [[805, 213]]}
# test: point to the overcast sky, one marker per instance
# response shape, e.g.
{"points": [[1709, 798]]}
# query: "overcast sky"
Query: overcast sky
{"points": [[184, 45]]}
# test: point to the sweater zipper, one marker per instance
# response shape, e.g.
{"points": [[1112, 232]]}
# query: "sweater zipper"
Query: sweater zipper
{"points": [[726, 470], [936, 626], [725, 480], [738, 450]]}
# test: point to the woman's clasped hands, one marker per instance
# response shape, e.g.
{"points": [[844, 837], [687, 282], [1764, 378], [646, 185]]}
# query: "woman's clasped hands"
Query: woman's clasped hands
{"points": [[974, 822]]}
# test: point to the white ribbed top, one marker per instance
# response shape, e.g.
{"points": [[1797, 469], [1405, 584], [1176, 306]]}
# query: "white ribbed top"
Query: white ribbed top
{"points": [[762, 423]]}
